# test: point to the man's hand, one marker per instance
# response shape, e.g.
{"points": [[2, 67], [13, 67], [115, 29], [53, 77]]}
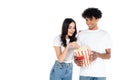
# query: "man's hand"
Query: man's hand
{"points": [[93, 56]]}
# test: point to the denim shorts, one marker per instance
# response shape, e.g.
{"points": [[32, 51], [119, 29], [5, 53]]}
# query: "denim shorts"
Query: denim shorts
{"points": [[91, 78], [61, 71]]}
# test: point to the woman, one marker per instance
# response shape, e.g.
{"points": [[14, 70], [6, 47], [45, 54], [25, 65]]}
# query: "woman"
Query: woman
{"points": [[64, 45]]}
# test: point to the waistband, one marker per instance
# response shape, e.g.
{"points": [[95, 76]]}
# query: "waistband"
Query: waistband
{"points": [[63, 64]]}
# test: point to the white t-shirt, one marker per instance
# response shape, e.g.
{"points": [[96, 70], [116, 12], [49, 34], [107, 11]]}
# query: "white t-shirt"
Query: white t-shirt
{"points": [[57, 42], [97, 40]]}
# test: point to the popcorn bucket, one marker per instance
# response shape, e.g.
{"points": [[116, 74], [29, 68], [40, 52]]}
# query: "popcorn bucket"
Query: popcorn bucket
{"points": [[83, 53]]}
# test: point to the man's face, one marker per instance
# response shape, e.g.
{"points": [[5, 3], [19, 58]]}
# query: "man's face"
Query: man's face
{"points": [[92, 23]]}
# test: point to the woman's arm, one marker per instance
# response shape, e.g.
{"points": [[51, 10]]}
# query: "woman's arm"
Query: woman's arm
{"points": [[61, 55]]}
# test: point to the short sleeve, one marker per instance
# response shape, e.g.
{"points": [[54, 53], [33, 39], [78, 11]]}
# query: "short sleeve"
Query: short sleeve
{"points": [[57, 41], [108, 41]]}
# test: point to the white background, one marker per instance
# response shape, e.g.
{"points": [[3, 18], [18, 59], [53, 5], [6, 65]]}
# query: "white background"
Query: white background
{"points": [[27, 29]]}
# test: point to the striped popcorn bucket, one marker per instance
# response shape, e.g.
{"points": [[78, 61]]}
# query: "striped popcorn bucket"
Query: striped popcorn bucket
{"points": [[83, 53]]}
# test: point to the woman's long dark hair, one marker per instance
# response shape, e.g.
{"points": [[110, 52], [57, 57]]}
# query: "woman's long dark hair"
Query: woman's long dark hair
{"points": [[64, 32]]}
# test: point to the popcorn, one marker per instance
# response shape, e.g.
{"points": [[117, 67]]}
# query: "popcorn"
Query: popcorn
{"points": [[83, 53]]}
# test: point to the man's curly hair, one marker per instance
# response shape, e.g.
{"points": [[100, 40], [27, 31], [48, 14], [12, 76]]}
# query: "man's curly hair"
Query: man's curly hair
{"points": [[92, 12]]}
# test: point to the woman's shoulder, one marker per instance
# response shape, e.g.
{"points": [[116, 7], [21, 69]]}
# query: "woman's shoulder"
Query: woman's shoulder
{"points": [[57, 40], [57, 37]]}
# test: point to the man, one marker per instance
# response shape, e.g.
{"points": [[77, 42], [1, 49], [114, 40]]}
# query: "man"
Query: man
{"points": [[100, 44]]}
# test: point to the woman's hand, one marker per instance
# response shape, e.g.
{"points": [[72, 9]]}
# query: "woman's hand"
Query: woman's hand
{"points": [[74, 45], [78, 62]]}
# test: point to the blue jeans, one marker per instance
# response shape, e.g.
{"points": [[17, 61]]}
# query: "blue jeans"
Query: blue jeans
{"points": [[61, 71], [91, 78]]}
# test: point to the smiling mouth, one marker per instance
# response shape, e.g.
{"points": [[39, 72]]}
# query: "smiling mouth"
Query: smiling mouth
{"points": [[71, 33]]}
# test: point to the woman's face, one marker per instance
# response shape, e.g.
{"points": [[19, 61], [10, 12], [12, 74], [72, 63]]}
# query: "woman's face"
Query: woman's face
{"points": [[71, 29]]}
